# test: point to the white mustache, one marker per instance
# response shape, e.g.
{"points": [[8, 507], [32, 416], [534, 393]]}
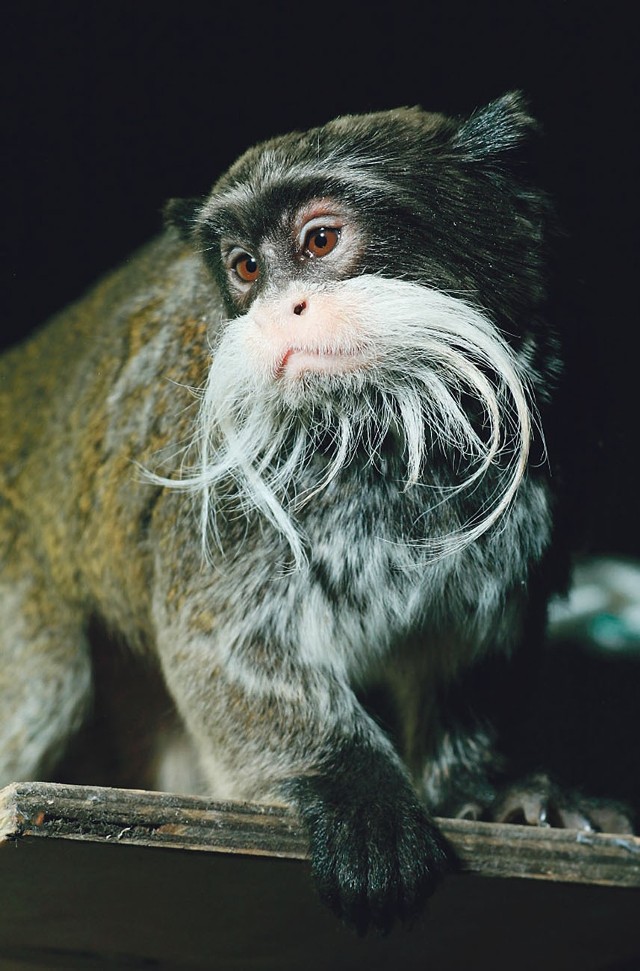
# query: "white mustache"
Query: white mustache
{"points": [[421, 351]]}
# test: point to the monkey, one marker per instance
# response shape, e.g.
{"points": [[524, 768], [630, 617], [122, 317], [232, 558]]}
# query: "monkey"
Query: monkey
{"points": [[292, 450]]}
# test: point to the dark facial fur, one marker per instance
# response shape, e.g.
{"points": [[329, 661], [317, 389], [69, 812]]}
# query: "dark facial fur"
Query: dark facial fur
{"points": [[437, 202], [348, 499]]}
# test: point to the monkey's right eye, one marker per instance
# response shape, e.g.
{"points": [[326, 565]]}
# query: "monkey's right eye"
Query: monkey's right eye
{"points": [[246, 267]]}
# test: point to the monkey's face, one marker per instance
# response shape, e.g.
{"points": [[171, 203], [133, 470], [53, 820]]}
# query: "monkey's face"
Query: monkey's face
{"points": [[368, 268], [404, 194], [300, 329]]}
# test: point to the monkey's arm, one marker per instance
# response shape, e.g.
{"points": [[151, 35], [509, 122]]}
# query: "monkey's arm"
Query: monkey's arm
{"points": [[271, 727]]}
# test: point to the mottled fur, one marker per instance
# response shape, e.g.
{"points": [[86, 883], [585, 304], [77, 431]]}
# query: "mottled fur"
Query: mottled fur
{"points": [[109, 456]]}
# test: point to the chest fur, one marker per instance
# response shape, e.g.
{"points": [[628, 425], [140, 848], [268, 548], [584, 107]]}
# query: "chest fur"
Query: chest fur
{"points": [[371, 586]]}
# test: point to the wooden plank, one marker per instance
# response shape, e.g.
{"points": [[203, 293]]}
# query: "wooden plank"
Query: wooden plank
{"points": [[97, 878], [142, 818]]}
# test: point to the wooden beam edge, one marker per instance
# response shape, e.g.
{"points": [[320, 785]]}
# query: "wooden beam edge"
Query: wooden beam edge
{"points": [[35, 810]]}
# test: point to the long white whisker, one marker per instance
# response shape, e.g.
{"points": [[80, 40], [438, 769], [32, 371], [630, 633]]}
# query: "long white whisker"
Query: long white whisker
{"points": [[437, 380]]}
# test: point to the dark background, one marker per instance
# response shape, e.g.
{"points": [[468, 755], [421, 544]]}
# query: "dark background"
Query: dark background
{"points": [[111, 108]]}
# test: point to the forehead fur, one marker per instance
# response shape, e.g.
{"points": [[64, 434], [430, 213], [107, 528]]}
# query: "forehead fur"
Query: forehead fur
{"points": [[371, 156], [344, 145], [384, 137], [374, 152]]}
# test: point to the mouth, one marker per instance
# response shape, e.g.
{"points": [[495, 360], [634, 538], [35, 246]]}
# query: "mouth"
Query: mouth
{"points": [[299, 360]]}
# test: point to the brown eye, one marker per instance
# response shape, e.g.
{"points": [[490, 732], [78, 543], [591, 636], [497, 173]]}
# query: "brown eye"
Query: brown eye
{"points": [[321, 241], [247, 268]]}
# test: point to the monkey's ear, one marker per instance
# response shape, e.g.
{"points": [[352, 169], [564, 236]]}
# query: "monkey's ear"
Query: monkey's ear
{"points": [[182, 215], [495, 130]]}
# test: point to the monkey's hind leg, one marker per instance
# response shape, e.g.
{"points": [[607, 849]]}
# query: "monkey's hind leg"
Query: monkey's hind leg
{"points": [[45, 673]]}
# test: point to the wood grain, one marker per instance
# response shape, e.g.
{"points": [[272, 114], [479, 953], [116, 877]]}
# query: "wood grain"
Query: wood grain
{"points": [[141, 818]]}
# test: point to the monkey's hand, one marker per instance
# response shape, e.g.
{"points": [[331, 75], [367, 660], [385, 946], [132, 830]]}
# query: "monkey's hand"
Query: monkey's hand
{"points": [[376, 855]]}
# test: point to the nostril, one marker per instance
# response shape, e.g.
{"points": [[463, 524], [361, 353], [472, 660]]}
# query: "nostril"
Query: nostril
{"points": [[300, 308]]}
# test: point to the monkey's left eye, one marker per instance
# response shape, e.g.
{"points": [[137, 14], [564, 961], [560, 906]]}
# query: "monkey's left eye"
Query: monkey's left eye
{"points": [[246, 267], [321, 240]]}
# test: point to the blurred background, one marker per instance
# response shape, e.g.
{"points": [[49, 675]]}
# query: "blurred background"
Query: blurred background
{"points": [[111, 108]]}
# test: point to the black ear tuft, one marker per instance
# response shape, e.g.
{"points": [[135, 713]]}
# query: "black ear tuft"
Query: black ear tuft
{"points": [[182, 214], [496, 129]]}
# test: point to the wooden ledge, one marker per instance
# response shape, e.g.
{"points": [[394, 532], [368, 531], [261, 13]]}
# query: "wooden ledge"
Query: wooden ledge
{"points": [[141, 818], [94, 878]]}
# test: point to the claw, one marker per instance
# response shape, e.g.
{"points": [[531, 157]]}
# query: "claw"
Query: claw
{"points": [[537, 801]]}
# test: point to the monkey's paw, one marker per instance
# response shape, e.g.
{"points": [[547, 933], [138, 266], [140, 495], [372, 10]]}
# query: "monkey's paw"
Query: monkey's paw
{"points": [[376, 856], [537, 801]]}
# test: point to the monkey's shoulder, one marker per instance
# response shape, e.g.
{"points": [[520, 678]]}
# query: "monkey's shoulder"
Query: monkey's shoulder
{"points": [[144, 322]]}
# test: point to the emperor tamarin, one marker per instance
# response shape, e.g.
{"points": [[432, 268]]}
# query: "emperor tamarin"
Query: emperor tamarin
{"points": [[286, 449]]}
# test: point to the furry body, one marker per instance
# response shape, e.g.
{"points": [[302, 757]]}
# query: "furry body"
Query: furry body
{"points": [[366, 516]]}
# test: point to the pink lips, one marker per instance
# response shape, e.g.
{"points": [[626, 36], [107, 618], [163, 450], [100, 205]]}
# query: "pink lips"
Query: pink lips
{"points": [[283, 362], [315, 359]]}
